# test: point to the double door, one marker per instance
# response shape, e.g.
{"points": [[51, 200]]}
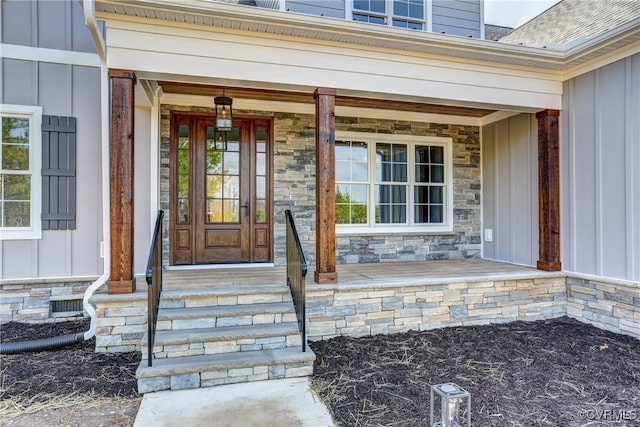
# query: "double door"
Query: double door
{"points": [[220, 188]]}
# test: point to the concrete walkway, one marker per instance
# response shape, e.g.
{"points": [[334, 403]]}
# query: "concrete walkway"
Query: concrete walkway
{"points": [[282, 403]]}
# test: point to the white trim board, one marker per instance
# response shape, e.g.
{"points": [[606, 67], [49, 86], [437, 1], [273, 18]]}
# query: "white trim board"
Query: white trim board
{"points": [[55, 56]]}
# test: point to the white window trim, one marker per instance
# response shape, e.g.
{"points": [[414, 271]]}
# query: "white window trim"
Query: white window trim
{"points": [[34, 114], [411, 140]]}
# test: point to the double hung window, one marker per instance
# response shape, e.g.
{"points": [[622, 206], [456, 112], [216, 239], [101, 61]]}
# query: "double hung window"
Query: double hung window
{"points": [[20, 183], [391, 183], [398, 13]]}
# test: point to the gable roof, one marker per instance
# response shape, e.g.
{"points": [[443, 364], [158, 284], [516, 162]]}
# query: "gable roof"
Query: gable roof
{"points": [[571, 20]]}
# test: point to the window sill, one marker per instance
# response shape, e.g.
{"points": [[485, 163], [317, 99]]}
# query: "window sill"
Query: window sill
{"points": [[401, 231]]}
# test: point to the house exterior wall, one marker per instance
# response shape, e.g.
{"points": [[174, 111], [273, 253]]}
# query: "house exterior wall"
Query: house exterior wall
{"points": [[60, 89], [510, 189], [330, 8], [294, 189], [600, 171], [457, 17]]}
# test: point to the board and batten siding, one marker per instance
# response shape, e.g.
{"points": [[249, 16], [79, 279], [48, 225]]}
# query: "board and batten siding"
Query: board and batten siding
{"points": [[600, 171], [330, 8], [61, 89], [457, 17], [510, 189]]}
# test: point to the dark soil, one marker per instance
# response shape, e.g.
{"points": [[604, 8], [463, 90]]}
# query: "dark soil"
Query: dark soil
{"points": [[547, 373], [31, 380]]}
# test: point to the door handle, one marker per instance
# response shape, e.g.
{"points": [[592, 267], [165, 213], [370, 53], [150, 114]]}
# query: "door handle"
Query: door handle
{"points": [[246, 206]]}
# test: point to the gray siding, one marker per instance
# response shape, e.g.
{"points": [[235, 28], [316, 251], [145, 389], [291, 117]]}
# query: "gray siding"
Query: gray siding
{"points": [[61, 90], [47, 24], [457, 17], [510, 194], [600, 161], [64, 90], [331, 8]]}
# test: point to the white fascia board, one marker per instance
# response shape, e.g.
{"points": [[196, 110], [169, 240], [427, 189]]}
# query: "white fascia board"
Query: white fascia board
{"points": [[256, 59], [341, 111], [602, 61], [54, 56]]}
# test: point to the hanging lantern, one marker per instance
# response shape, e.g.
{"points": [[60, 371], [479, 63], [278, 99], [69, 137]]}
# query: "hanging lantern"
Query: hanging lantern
{"points": [[224, 113], [452, 397]]}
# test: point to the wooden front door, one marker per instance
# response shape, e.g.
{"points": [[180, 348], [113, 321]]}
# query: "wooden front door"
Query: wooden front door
{"points": [[221, 203]]}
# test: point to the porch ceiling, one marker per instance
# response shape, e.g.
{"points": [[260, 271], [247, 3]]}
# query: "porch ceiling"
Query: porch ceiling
{"points": [[307, 98]]}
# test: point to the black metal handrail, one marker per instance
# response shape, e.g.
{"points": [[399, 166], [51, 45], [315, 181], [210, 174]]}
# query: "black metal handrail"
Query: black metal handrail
{"points": [[296, 274], [154, 285]]}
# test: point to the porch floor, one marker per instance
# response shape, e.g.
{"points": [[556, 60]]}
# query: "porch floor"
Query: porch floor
{"points": [[353, 274]]}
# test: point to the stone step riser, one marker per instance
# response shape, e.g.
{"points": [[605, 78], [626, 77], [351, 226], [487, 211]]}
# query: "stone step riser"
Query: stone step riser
{"points": [[225, 376], [224, 321], [187, 301], [227, 346]]}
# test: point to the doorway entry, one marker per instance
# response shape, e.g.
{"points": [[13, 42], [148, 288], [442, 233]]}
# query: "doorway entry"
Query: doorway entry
{"points": [[221, 191]]}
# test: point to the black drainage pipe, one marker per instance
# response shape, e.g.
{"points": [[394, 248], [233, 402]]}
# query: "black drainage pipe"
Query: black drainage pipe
{"points": [[41, 345]]}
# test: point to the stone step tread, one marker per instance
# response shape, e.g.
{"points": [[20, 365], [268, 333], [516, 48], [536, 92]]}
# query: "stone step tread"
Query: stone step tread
{"points": [[216, 362], [227, 333], [224, 311], [224, 291]]}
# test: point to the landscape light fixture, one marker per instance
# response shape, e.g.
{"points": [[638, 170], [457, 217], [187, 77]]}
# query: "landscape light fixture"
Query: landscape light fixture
{"points": [[452, 396]]}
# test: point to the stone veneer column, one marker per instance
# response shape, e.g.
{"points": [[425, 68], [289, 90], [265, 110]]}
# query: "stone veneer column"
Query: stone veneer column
{"points": [[549, 190], [325, 186], [121, 175]]}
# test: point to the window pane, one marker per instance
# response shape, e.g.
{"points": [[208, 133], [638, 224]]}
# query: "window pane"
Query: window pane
{"points": [[343, 170], [214, 162], [359, 171], [400, 172], [214, 211], [377, 6], [183, 161], [422, 154], [183, 186], [435, 214], [421, 214], [343, 150], [359, 193], [261, 211], [231, 187], [230, 210], [261, 135], [400, 8], [351, 204], [416, 9], [261, 164], [17, 214], [422, 173], [383, 172], [398, 194], [183, 134], [214, 186], [383, 153], [15, 130], [421, 194], [15, 157], [17, 187], [231, 163], [399, 153], [435, 195], [437, 173], [398, 214], [437, 155], [183, 211], [260, 187], [359, 151]]}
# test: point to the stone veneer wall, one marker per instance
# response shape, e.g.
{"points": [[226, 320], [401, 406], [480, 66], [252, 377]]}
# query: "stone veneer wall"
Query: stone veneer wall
{"points": [[359, 310], [29, 302], [294, 188], [121, 321], [613, 305]]}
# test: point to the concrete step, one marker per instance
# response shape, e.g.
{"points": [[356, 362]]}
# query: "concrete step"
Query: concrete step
{"points": [[216, 369], [224, 295], [225, 315], [191, 342]]}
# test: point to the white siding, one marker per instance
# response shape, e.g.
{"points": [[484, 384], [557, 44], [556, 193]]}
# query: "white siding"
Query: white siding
{"points": [[510, 189], [457, 17], [600, 161], [331, 8]]}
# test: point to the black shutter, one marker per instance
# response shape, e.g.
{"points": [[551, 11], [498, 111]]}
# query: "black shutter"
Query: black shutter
{"points": [[58, 173]]}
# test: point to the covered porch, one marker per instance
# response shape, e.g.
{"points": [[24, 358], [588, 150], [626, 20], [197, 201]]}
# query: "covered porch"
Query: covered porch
{"points": [[301, 107]]}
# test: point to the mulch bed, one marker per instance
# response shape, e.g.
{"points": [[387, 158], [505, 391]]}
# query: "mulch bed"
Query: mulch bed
{"points": [[556, 372], [74, 376]]}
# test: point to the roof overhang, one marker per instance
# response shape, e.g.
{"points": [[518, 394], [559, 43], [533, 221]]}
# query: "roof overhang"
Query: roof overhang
{"points": [[276, 22]]}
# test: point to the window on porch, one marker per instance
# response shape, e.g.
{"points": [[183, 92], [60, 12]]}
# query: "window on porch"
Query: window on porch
{"points": [[393, 183]]}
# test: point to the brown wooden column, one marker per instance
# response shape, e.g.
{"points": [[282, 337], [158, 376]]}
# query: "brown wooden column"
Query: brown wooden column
{"points": [[325, 186], [121, 174], [549, 190]]}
